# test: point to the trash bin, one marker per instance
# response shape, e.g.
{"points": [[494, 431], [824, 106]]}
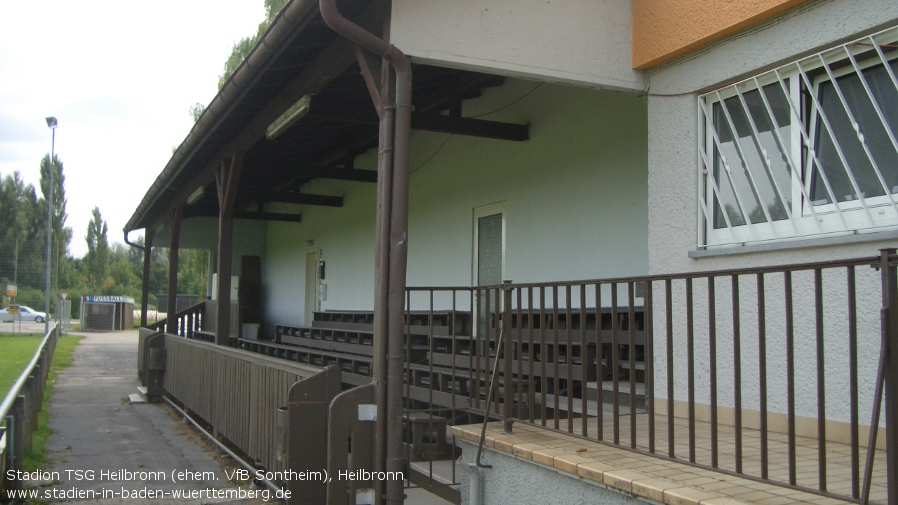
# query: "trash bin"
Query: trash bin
{"points": [[250, 331]]}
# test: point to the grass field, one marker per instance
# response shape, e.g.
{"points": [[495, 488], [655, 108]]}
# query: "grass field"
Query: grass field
{"points": [[16, 352]]}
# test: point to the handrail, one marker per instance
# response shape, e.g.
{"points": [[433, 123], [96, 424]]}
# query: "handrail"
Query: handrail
{"points": [[162, 322], [6, 406], [872, 261], [555, 338]]}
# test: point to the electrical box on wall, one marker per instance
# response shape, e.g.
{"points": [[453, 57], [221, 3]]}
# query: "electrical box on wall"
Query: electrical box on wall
{"points": [[322, 291]]}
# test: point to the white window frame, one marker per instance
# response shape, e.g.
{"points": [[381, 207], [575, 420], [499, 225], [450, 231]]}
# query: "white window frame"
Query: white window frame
{"points": [[802, 93], [829, 211]]}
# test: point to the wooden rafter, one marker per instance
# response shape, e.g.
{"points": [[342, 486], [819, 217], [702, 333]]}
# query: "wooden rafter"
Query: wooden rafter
{"points": [[343, 174], [268, 216], [306, 199], [368, 62], [425, 121], [227, 179]]}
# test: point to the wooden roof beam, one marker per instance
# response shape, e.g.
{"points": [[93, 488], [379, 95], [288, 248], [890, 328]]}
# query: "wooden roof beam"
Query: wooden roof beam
{"points": [[344, 174], [425, 121], [246, 214], [306, 199], [435, 122], [268, 216]]}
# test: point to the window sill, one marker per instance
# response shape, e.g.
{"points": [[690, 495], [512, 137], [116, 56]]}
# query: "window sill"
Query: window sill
{"points": [[803, 243]]}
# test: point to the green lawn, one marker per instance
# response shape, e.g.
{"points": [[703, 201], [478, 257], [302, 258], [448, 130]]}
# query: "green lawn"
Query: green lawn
{"points": [[16, 351]]}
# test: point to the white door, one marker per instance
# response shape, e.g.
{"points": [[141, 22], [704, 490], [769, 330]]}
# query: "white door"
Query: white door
{"points": [[311, 293], [489, 264], [489, 245]]}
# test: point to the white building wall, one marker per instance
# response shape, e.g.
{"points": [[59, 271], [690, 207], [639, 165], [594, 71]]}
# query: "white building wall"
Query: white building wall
{"points": [[202, 233], [673, 218], [575, 198], [583, 42]]}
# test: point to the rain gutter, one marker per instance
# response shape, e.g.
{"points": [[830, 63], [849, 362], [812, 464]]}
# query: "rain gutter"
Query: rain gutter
{"points": [[286, 26]]}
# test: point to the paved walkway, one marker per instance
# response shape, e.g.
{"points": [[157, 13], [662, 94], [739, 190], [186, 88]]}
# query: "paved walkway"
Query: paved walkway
{"points": [[104, 444], [104, 447]]}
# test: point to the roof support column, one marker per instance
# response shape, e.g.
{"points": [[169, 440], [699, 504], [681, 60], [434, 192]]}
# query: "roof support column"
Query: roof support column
{"points": [[226, 179], [145, 290], [396, 236], [174, 228]]}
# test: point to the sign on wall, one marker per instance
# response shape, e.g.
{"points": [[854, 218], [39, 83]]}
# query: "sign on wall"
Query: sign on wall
{"points": [[108, 299]]}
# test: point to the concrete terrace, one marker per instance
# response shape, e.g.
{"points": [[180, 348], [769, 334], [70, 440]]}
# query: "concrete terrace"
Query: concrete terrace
{"points": [[676, 483]]}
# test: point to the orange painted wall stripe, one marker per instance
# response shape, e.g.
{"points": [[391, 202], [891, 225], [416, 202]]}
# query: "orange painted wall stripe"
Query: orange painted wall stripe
{"points": [[665, 29]]}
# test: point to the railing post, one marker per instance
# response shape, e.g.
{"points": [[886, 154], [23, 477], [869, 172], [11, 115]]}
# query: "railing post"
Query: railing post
{"points": [[18, 438], [890, 312], [39, 384], [506, 331], [29, 421]]}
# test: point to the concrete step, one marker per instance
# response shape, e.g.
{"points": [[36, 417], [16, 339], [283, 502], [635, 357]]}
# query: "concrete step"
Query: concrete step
{"points": [[137, 398], [140, 396], [442, 470]]}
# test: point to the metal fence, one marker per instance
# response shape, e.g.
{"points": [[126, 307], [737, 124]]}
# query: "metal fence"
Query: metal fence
{"points": [[773, 374], [19, 410]]}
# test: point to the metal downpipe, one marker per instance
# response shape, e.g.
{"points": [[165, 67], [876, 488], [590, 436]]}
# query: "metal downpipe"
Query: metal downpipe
{"points": [[144, 293], [398, 269], [398, 231], [381, 280]]}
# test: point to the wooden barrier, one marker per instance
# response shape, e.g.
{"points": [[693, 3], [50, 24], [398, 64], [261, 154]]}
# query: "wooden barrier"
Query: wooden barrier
{"points": [[237, 392]]}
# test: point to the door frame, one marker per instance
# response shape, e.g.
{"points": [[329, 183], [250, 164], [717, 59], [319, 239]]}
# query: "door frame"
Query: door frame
{"points": [[308, 315], [484, 211]]}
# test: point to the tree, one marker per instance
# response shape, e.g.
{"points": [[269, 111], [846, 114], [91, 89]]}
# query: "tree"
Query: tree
{"points": [[12, 195], [59, 199], [97, 258], [22, 234], [196, 111], [61, 275], [122, 278], [244, 46], [193, 268]]}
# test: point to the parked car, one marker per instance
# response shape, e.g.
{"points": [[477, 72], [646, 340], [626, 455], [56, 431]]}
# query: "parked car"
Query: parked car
{"points": [[25, 314]]}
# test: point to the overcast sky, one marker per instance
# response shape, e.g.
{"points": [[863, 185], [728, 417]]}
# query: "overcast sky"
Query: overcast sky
{"points": [[120, 76]]}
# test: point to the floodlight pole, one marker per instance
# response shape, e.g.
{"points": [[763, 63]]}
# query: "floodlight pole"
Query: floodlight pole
{"points": [[51, 122]]}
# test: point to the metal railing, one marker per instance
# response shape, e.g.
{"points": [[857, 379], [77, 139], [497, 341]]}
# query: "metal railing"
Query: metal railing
{"points": [[185, 322], [763, 373], [19, 410]]}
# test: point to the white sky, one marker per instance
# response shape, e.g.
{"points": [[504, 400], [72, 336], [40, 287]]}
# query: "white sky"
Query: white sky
{"points": [[120, 76]]}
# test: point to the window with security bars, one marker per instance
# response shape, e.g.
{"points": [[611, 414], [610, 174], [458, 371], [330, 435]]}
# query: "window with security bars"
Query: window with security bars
{"points": [[806, 149]]}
